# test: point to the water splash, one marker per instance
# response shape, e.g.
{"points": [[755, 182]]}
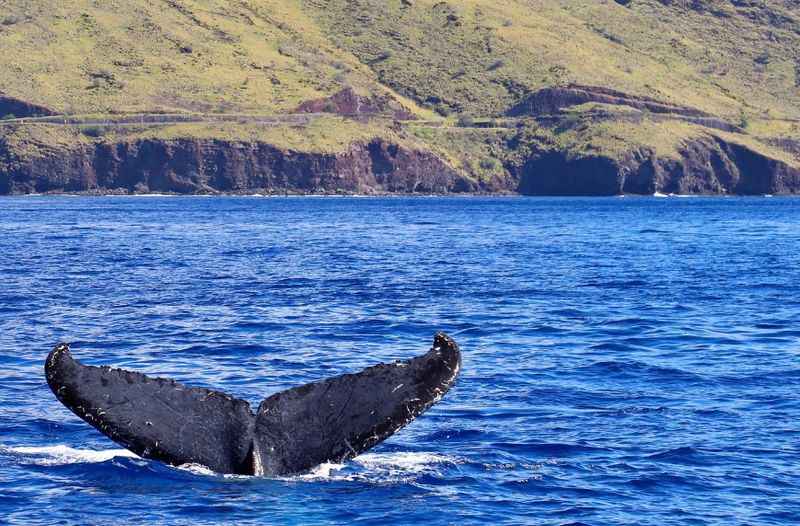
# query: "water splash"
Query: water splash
{"points": [[382, 468], [59, 455], [374, 467]]}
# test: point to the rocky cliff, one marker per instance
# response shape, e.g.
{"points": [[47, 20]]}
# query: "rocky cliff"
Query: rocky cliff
{"points": [[705, 166], [209, 166]]}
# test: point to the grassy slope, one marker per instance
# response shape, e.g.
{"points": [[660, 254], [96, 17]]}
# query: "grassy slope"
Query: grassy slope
{"points": [[478, 55], [472, 56], [324, 135], [80, 56]]}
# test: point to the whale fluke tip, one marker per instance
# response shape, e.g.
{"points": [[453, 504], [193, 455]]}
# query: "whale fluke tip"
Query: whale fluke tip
{"points": [[443, 340], [449, 351], [54, 359], [60, 348], [445, 343]]}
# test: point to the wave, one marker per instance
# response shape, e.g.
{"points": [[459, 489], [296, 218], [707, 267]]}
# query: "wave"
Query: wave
{"points": [[369, 467], [639, 369], [455, 434], [550, 449], [59, 455], [154, 194], [680, 455], [381, 467], [408, 461]]}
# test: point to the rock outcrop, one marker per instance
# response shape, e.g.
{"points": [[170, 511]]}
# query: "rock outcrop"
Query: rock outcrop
{"points": [[348, 102], [208, 166], [710, 165], [550, 101]]}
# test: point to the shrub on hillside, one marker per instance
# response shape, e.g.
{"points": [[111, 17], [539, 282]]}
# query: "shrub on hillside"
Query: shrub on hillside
{"points": [[497, 64], [466, 121], [93, 131], [489, 163], [11, 20]]}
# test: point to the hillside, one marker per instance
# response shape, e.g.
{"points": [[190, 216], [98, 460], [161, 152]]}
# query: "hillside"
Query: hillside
{"points": [[561, 97]]}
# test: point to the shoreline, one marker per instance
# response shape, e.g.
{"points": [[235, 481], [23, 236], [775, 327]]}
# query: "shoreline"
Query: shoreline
{"points": [[466, 195]]}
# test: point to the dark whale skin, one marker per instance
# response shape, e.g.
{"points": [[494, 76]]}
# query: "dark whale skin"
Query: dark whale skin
{"points": [[294, 430], [155, 418], [338, 418]]}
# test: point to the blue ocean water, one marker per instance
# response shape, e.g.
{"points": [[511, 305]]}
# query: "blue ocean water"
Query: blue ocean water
{"points": [[626, 361]]}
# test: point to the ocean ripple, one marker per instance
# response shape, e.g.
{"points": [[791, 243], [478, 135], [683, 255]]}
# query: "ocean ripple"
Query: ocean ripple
{"points": [[626, 361]]}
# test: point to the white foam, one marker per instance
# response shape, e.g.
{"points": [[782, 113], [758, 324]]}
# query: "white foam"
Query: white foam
{"points": [[370, 467], [380, 467], [327, 470], [412, 462], [198, 469], [59, 455]]}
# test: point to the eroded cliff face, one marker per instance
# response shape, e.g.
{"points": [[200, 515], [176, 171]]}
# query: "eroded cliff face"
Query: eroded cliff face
{"points": [[707, 165], [209, 166], [710, 166]]}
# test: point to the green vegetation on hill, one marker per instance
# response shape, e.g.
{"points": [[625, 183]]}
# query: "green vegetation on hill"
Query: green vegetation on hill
{"points": [[323, 135], [475, 56], [79, 56], [453, 63], [481, 153], [480, 56]]}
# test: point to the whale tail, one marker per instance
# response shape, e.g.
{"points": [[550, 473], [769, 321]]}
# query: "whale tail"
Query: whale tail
{"points": [[292, 431]]}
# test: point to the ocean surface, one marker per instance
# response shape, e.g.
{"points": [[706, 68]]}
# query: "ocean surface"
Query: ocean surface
{"points": [[626, 361]]}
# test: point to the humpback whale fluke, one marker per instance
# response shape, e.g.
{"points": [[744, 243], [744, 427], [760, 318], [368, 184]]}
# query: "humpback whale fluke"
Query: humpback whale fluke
{"points": [[294, 430]]}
